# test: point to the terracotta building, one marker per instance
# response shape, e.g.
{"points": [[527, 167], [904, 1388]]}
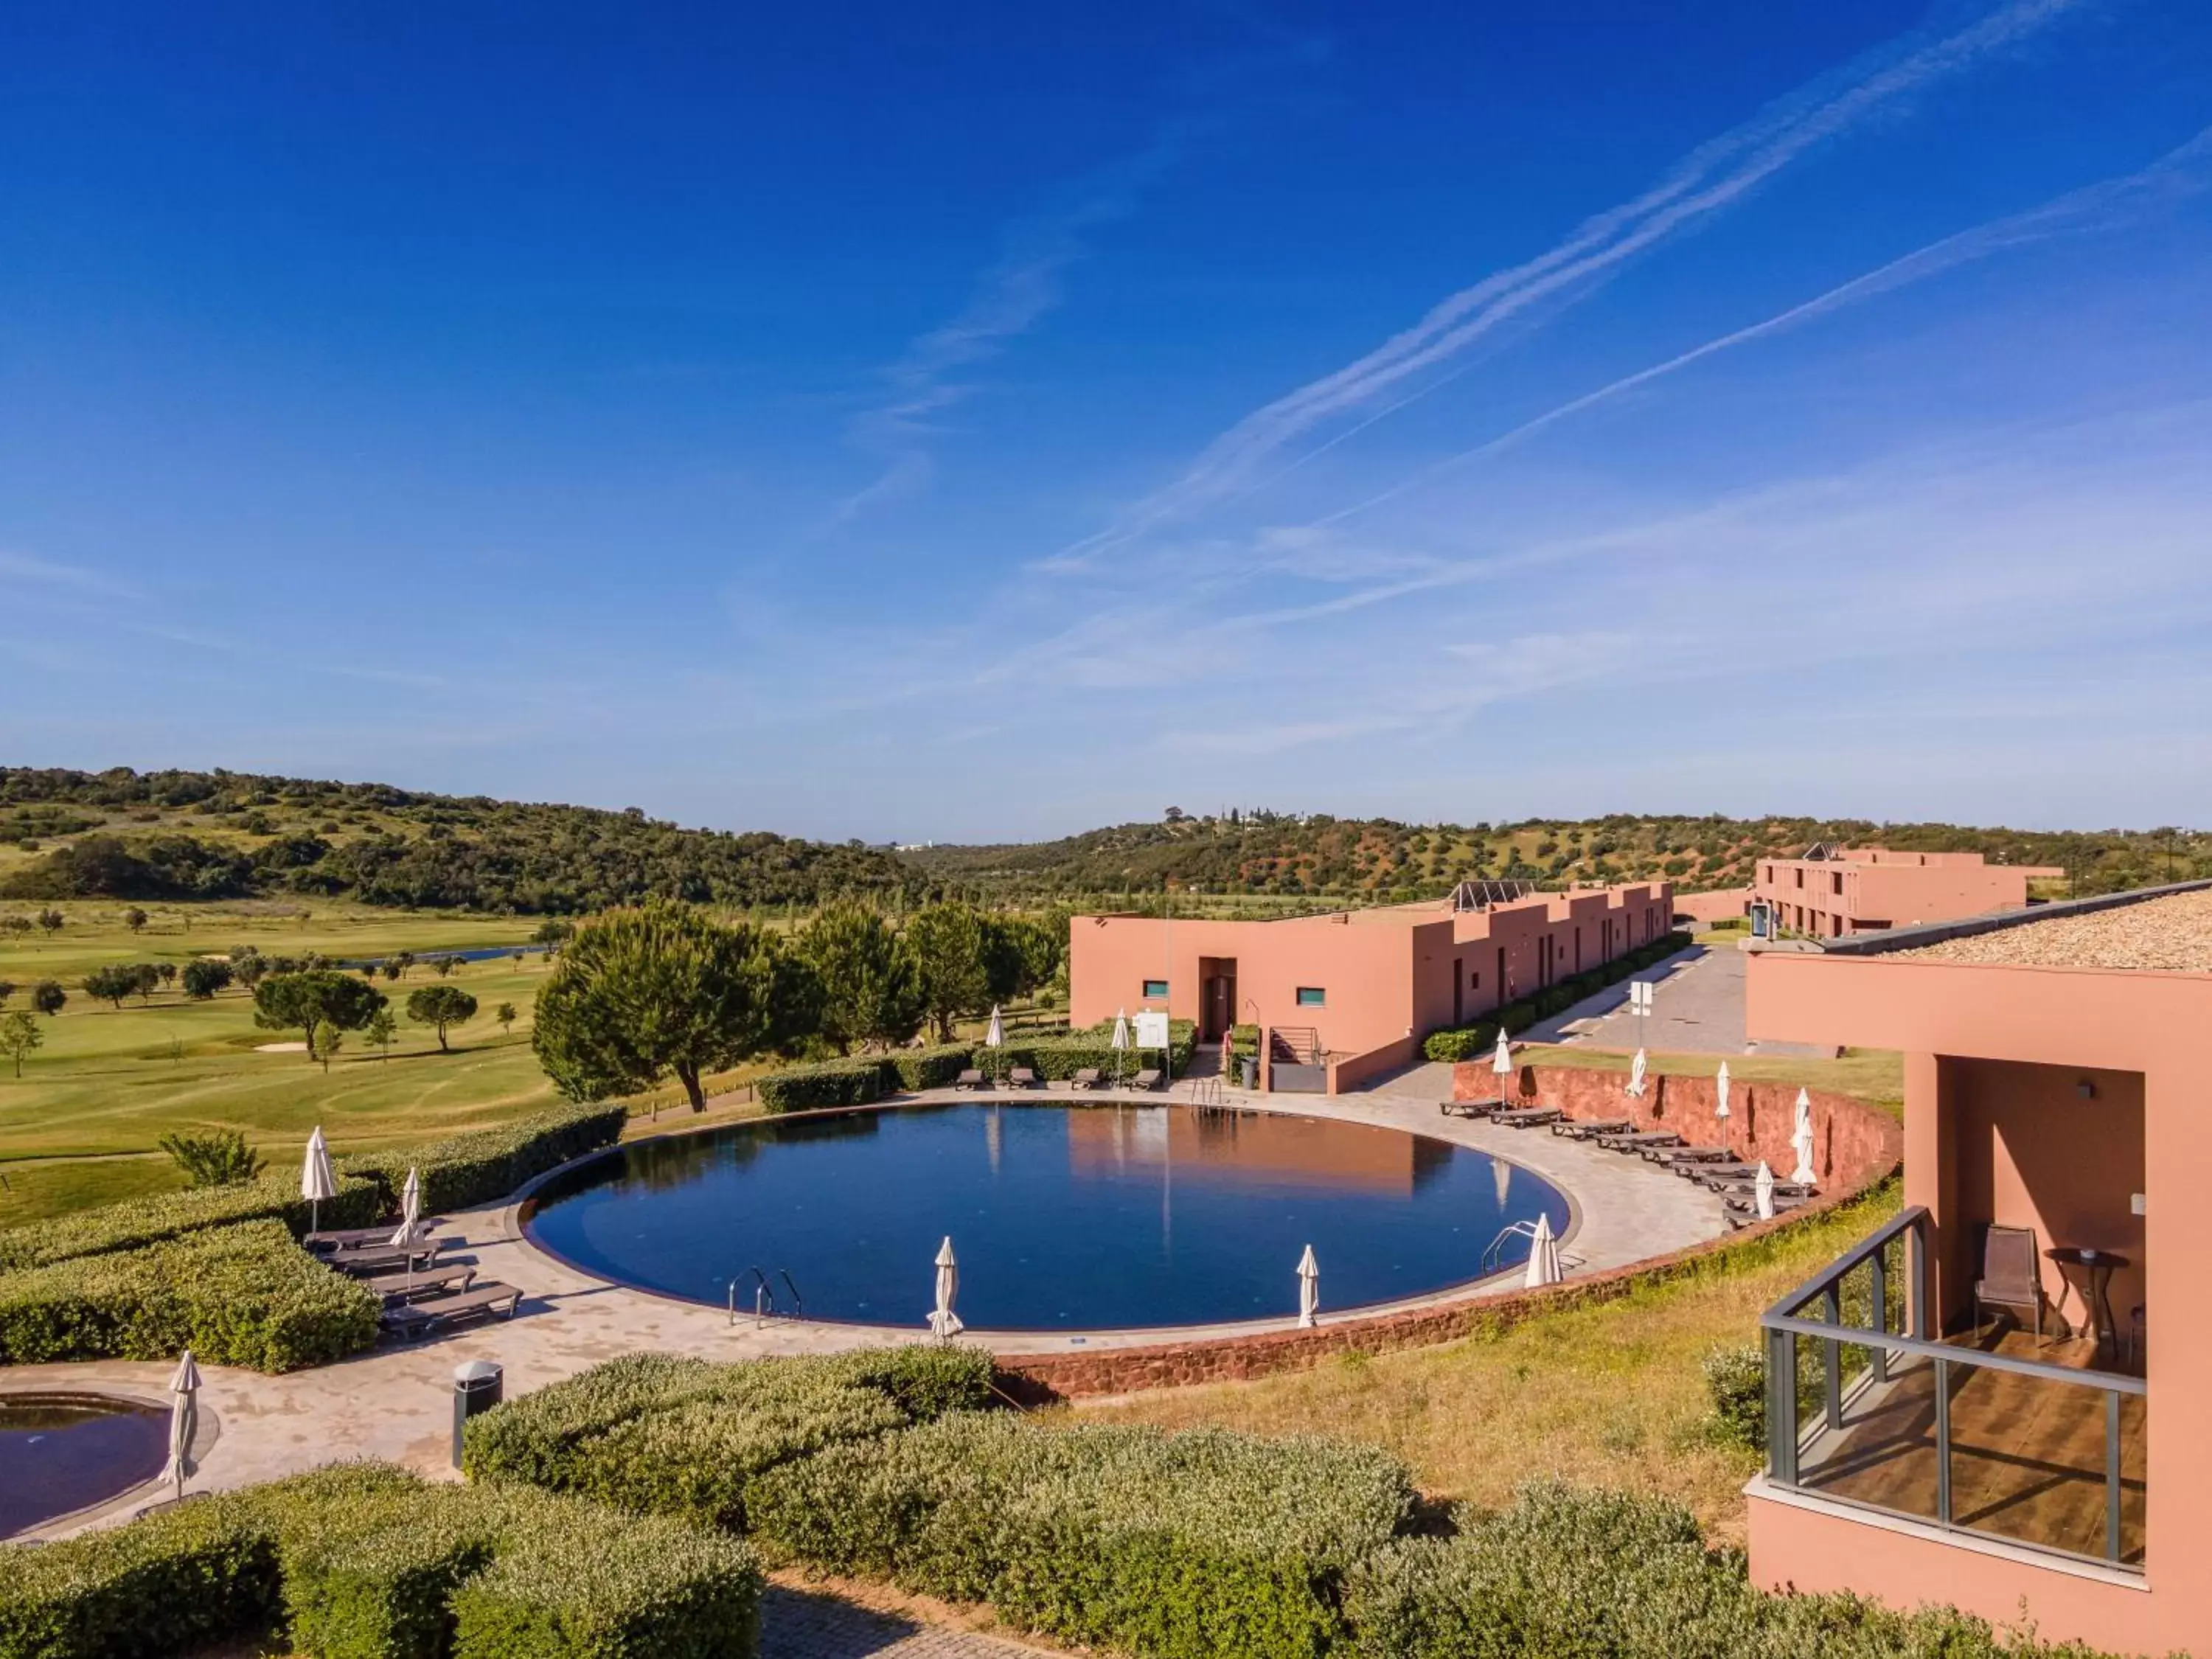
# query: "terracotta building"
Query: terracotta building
{"points": [[1351, 993], [1832, 891], [2012, 1414]]}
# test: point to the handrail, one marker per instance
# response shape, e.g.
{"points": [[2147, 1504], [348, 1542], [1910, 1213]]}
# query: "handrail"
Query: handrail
{"points": [[1912, 1216], [798, 1308], [1865, 1336]]}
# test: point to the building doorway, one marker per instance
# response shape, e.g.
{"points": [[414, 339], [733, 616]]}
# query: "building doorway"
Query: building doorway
{"points": [[1217, 996]]}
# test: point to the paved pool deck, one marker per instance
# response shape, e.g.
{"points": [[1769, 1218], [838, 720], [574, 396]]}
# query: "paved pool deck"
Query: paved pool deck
{"points": [[395, 1402]]}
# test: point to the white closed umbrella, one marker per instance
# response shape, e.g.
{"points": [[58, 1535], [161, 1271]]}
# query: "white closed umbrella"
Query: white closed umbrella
{"points": [[1762, 1191], [410, 1220], [1635, 1074], [318, 1181], [995, 1038], [1801, 1137], [1309, 1289], [1120, 1042], [1501, 1063], [944, 1323], [183, 1423], [1543, 1256]]}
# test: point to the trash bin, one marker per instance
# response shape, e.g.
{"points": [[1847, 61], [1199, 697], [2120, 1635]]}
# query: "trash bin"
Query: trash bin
{"points": [[475, 1390], [1251, 1068]]}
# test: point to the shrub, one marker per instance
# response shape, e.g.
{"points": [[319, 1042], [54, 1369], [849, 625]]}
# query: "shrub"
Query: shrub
{"points": [[1571, 1571], [484, 1164], [170, 1584], [1735, 1382], [831, 1083], [1200, 1544], [141, 1221], [1458, 1043], [245, 1295], [365, 1561], [570, 1581], [929, 1068], [219, 1159], [665, 1434]]}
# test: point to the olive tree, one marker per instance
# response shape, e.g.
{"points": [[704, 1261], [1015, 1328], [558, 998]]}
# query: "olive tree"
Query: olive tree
{"points": [[19, 1034], [639, 995]]}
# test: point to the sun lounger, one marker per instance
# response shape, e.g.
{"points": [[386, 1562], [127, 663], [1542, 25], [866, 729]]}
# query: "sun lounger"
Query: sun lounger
{"points": [[1147, 1079], [1742, 1212], [1588, 1128], [405, 1287], [365, 1264], [1714, 1175], [354, 1239], [1087, 1077], [1527, 1117], [970, 1078], [1636, 1141], [1679, 1155], [1472, 1108], [417, 1319], [1742, 1186], [1021, 1078]]}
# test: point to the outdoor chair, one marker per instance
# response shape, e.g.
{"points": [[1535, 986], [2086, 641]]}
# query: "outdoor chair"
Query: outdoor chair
{"points": [[1590, 1128], [368, 1264], [1527, 1117], [2012, 1275], [1021, 1078], [1678, 1156], [1637, 1141], [1147, 1079], [1086, 1078], [354, 1239], [429, 1281], [416, 1319], [970, 1078]]}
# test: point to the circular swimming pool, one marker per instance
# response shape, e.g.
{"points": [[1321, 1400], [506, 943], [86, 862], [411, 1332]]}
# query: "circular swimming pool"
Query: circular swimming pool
{"points": [[61, 1453], [1064, 1217]]}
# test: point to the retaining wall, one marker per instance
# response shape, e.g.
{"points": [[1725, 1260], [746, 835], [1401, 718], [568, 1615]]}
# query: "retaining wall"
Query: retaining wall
{"points": [[1856, 1146]]}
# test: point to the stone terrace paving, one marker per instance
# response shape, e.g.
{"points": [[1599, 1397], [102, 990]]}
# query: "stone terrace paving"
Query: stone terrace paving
{"points": [[2162, 935], [395, 1403]]}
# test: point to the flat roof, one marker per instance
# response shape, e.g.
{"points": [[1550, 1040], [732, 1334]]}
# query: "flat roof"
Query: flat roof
{"points": [[2157, 930]]}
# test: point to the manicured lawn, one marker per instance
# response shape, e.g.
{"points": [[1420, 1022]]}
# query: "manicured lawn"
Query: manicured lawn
{"points": [[1873, 1074], [111, 1082]]}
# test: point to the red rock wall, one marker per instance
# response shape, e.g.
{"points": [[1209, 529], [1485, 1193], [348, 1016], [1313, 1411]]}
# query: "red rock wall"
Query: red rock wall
{"points": [[1857, 1145]]}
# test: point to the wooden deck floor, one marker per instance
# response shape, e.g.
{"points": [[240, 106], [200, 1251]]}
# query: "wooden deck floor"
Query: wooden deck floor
{"points": [[2027, 1454]]}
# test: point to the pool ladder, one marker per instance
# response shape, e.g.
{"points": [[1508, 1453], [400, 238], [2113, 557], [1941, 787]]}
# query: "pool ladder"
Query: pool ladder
{"points": [[1492, 1260], [765, 1303]]}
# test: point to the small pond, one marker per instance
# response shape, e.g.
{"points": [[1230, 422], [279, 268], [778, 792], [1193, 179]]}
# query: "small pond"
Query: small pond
{"points": [[1064, 1216], [60, 1453]]}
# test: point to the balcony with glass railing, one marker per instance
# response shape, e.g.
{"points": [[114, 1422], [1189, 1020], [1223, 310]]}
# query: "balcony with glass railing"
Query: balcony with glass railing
{"points": [[1991, 1434]]}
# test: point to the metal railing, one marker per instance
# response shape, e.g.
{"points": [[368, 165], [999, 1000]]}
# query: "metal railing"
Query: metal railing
{"points": [[1855, 1358]]}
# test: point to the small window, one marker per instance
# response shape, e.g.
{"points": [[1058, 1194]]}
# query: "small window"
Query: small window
{"points": [[1474, 980], [1155, 988], [1312, 996], [1839, 879]]}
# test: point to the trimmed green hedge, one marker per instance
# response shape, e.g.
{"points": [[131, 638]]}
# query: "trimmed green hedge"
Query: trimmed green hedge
{"points": [[829, 1083], [364, 1561], [660, 1433], [484, 1164], [1571, 1571], [1200, 1545], [140, 1221], [245, 1295], [1457, 1043], [913, 1069]]}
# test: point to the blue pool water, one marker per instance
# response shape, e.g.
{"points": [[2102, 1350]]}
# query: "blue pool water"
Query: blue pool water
{"points": [[1064, 1217], [61, 1453]]}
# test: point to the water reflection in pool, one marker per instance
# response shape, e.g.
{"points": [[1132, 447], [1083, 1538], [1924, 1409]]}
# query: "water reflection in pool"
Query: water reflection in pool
{"points": [[1064, 1217], [61, 1453]]}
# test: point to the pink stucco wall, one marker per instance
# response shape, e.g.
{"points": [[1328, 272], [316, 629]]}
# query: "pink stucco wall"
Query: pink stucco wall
{"points": [[1871, 887], [1999, 1129], [1387, 975]]}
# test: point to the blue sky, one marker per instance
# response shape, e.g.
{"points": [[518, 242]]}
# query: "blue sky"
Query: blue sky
{"points": [[988, 422]]}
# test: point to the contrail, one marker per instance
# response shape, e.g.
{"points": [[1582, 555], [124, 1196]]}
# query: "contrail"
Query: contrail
{"points": [[2178, 174], [1706, 182]]}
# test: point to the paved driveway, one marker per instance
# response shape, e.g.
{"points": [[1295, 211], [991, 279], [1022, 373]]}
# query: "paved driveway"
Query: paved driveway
{"points": [[1696, 1009]]}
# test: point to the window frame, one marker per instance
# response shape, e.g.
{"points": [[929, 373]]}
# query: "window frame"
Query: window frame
{"points": [[1311, 996]]}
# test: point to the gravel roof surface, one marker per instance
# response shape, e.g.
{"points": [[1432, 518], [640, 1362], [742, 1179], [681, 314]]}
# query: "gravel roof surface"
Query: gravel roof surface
{"points": [[2170, 935]]}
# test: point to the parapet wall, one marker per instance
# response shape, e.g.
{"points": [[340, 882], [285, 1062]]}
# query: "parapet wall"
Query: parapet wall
{"points": [[1856, 1146]]}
